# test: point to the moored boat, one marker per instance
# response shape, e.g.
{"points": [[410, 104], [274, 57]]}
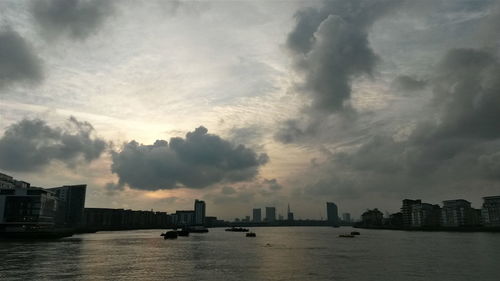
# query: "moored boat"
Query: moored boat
{"points": [[170, 235], [346, 236], [251, 234], [237, 229]]}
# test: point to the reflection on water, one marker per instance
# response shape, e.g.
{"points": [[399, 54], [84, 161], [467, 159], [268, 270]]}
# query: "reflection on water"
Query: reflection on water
{"points": [[281, 253]]}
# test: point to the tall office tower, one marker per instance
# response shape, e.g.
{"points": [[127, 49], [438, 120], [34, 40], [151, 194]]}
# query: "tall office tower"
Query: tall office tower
{"points": [[346, 217], [270, 214], [332, 214], [257, 217], [199, 212], [72, 202], [289, 214]]}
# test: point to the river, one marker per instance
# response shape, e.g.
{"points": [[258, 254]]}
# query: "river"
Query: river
{"points": [[277, 253]]}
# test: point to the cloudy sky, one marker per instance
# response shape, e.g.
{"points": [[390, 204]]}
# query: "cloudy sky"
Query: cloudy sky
{"points": [[253, 103]]}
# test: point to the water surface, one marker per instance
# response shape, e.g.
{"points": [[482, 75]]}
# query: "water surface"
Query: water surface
{"points": [[277, 253]]}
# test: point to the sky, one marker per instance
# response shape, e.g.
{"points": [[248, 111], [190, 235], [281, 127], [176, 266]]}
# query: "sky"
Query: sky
{"points": [[248, 104]]}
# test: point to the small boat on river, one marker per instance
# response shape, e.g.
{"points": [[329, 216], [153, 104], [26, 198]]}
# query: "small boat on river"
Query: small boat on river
{"points": [[237, 229], [346, 236], [251, 234], [169, 235]]}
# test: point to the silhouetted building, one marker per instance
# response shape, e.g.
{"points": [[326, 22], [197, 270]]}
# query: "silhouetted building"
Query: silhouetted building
{"points": [[116, 219], [491, 211], [289, 214], [425, 215], [396, 219], [183, 218], [346, 217], [22, 208], [407, 211], [332, 214], [199, 212], [372, 218], [72, 203], [458, 213], [257, 215], [270, 214]]}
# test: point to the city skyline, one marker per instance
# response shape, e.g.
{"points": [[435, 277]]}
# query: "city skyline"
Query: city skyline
{"points": [[246, 104]]}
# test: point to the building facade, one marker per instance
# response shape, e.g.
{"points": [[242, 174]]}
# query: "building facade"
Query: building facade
{"points": [[72, 203], [332, 214], [270, 214], [459, 212], [199, 212], [425, 215], [27, 208], [407, 211], [257, 215], [289, 214], [491, 211], [346, 217]]}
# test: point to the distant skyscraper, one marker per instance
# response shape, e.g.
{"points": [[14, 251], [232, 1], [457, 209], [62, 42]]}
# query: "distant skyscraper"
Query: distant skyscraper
{"points": [[346, 217], [332, 214], [289, 214], [270, 214], [257, 217], [199, 212]]}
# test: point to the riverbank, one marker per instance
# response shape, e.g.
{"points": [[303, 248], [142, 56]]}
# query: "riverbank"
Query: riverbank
{"points": [[431, 229]]}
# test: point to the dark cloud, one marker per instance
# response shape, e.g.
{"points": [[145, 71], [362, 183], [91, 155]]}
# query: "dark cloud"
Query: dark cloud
{"points": [[32, 144], [113, 188], [272, 184], [407, 83], [199, 160], [331, 47], [76, 18], [18, 62], [455, 146]]}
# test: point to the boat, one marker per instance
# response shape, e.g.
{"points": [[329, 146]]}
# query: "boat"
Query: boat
{"points": [[251, 234], [355, 233], [237, 229], [169, 235], [346, 236], [183, 232]]}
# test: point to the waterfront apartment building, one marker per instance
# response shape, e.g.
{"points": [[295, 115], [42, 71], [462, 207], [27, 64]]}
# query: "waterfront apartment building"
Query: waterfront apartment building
{"points": [[71, 203], [332, 214], [117, 219], [407, 211], [24, 206], [425, 215], [257, 216], [199, 212], [491, 211], [270, 214], [459, 213], [183, 218]]}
